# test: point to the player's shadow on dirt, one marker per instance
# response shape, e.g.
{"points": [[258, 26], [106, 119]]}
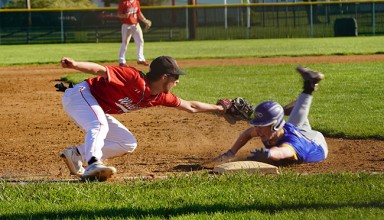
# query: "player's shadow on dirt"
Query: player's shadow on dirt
{"points": [[187, 168]]}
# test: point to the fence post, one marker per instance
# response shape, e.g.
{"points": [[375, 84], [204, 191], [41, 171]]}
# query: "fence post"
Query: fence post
{"points": [[29, 26], [0, 30], [248, 20], [225, 15], [373, 19], [311, 20], [62, 27], [186, 23], [193, 20]]}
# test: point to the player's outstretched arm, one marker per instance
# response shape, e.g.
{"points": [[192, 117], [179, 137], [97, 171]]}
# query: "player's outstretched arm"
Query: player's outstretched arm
{"points": [[229, 155], [85, 67], [196, 106], [284, 151], [243, 139]]}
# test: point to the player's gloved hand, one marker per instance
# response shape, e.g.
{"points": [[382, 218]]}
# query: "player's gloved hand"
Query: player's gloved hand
{"points": [[225, 157], [61, 87], [148, 24], [261, 154], [237, 109]]}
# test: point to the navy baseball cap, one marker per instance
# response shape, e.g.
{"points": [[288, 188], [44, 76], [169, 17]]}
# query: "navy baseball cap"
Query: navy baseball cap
{"points": [[165, 65]]}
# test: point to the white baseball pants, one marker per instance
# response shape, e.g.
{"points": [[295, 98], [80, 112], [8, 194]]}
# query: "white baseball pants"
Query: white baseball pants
{"points": [[128, 31], [299, 118], [105, 136]]}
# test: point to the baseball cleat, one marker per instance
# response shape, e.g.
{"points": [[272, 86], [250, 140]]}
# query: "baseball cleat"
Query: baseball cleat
{"points": [[311, 78], [72, 158], [145, 63], [310, 75], [123, 64], [98, 171]]}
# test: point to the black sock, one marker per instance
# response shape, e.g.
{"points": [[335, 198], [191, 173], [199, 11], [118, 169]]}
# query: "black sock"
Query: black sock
{"points": [[309, 87], [77, 150], [92, 160]]}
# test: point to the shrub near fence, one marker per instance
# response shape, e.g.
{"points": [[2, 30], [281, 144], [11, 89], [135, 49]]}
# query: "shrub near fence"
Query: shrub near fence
{"points": [[201, 22]]}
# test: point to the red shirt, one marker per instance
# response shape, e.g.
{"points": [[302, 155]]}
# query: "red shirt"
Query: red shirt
{"points": [[127, 90], [132, 7]]}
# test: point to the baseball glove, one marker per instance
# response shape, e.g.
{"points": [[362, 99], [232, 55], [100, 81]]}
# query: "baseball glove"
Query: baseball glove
{"points": [[61, 87], [148, 24], [237, 109]]}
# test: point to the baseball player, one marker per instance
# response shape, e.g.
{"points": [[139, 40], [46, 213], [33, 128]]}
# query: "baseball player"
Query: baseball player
{"points": [[129, 12], [117, 90], [284, 142]]}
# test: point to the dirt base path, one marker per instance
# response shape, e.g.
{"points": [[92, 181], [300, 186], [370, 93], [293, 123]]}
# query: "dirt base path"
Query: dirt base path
{"points": [[34, 130]]}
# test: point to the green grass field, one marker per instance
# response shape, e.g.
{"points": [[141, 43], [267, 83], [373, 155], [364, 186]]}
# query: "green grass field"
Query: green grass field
{"points": [[240, 196], [108, 52], [348, 104]]}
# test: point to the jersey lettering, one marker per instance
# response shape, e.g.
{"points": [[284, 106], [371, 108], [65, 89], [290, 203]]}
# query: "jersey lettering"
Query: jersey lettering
{"points": [[126, 105], [132, 11]]}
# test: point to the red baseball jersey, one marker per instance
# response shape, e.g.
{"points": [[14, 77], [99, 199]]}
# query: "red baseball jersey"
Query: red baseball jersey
{"points": [[132, 7], [126, 90]]}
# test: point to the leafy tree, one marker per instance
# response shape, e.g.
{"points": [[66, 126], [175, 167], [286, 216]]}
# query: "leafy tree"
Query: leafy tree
{"points": [[107, 3], [71, 3], [52, 4]]}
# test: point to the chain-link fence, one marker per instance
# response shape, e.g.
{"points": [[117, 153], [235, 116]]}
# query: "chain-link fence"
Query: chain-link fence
{"points": [[201, 22]]}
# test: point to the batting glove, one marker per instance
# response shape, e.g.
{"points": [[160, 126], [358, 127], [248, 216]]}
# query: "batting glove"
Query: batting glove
{"points": [[260, 154]]}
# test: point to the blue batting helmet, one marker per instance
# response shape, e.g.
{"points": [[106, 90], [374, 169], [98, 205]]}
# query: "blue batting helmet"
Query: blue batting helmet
{"points": [[269, 113]]}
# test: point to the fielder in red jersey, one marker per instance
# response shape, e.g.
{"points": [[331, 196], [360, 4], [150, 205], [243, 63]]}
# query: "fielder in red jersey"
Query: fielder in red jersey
{"points": [[130, 9], [129, 12], [134, 92], [117, 90]]}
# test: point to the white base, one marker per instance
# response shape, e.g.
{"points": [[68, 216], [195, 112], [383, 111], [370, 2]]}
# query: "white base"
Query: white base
{"points": [[246, 166]]}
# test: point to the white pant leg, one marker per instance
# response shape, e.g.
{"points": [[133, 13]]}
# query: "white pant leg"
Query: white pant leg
{"points": [[299, 114], [299, 118], [319, 139], [119, 140], [83, 108], [126, 34], [139, 41]]}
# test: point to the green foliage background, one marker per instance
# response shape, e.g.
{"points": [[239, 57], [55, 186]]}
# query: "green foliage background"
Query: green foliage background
{"points": [[51, 4], [71, 3]]}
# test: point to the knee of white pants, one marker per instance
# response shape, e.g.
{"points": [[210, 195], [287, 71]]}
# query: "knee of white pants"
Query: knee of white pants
{"points": [[324, 145], [113, 149], [129, 147], [320, 140], [325, 151]]}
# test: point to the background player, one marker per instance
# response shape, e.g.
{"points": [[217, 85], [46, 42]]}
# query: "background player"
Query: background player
{"points": [[117, 90], [291, 142], [129, 12]]}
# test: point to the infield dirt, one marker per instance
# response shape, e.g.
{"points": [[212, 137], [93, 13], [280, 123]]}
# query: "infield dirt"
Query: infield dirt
{"points": [[34, 130]]}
